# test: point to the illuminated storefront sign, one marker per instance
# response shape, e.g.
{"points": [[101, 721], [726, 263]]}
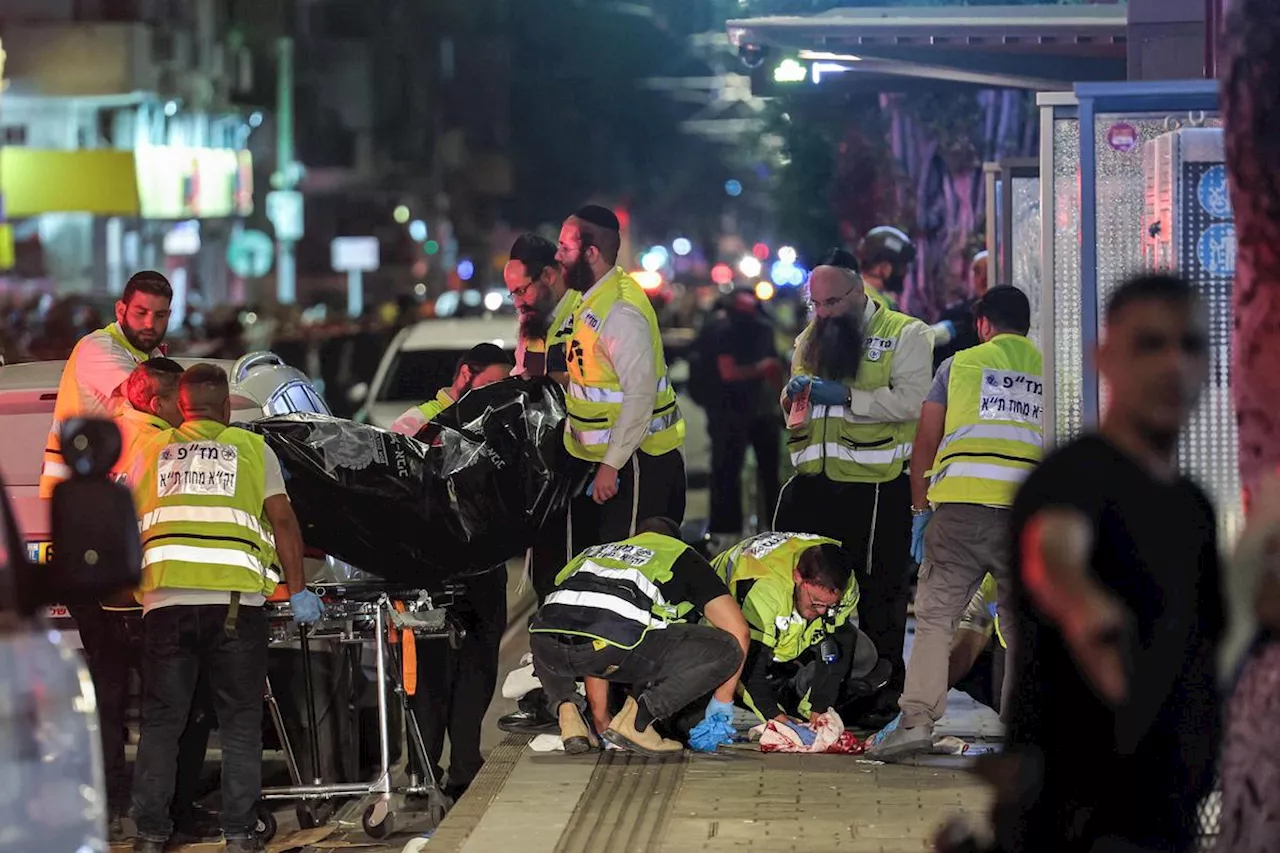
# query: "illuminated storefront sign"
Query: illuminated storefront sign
{"points": [[194, 183]]}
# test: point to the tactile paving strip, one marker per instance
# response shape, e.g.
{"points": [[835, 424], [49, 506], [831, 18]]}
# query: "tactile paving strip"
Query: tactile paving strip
{"points": [[626, 806], [463, 818]]}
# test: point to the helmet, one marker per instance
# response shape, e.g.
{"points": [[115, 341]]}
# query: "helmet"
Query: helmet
{"points": [[884, 243]]}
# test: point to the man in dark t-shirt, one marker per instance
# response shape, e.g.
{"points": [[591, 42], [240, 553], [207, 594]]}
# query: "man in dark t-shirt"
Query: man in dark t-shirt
{"points": [[1113, 717]]}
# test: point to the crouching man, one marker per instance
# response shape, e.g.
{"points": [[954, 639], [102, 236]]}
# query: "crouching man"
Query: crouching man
{"points": [[627, 613]]}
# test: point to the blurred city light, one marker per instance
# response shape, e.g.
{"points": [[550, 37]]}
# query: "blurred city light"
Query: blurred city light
{"points": [[471, 298], [648, 279], [787, 255], [787, 274], [764, 290], [492, 300], [681, 246], [750, 266], [419, 289], [790, 71], [401, 213], [255, 119], [655, 259], [466, 270], [171, 108], [431, 247], [761, 251], [418, 230], [733, 187], [447, 304], [722, 273]]}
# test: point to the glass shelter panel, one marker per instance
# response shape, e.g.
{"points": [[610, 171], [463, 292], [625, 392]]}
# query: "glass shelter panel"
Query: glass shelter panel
{"points": [[1024, 249], [1068, 356]]}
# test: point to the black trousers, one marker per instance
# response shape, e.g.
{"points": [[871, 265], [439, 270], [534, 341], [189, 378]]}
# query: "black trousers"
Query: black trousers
{"points": [[181, 643], [549, 554], [113, 644], [647, 486], [882, 552], [731, 434], [455, 686]]}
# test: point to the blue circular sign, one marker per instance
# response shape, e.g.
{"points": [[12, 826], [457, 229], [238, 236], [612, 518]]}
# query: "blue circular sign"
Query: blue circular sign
{"points": [[249, 254], [1214, 197], [1216, 250]]}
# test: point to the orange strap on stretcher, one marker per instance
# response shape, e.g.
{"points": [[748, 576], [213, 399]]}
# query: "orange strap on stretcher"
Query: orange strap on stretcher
{"points": [[408, 656]]}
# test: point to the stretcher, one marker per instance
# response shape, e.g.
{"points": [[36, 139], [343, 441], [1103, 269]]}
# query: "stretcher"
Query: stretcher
{"points": [[390, 620]]}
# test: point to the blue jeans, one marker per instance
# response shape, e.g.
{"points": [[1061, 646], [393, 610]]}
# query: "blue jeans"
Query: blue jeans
{"points": [[181, 643]]}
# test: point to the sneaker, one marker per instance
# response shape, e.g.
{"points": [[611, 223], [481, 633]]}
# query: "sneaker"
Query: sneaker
{"points": [[530, 717], [895, 741], [574, 731], [622, 732]]}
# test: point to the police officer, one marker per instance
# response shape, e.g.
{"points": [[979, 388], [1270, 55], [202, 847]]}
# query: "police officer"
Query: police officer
{"points": [[884, 255], [458, 684], [980, 435], [482, 365], [797, 591], [102, 360], [863, 371], [214, 517], [626, 613], [622, 407], [545, 306]]}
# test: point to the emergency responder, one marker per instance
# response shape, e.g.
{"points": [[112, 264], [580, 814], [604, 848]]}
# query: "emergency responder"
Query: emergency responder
{"points": [[884, 255], [102, 360], [482, 365], [797, 592], [955, 329], [859, 375], [546, 307], [622, 407], [978, 652], [457, 684], [627, 613], [980, 435], [214, 516]]}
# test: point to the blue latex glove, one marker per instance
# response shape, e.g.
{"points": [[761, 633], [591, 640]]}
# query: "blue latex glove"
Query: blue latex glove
{"points": [[918, 524], [807, 735], [591, 487], [715, 706], [824, 392], [307, 607], [797, 384], [711, 733]]}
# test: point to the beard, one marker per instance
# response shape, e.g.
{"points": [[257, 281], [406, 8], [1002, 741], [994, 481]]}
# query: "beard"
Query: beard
{"points": [[535, 320], [833, 349], [143, 339], [579, 276]]}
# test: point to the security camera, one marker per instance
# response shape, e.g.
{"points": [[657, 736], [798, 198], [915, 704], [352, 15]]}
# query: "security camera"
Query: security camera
{"points": [[753, 55]]}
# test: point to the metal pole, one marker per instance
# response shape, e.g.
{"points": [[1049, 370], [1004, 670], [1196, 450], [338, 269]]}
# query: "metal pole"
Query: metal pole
{"points": [[285, 177]]}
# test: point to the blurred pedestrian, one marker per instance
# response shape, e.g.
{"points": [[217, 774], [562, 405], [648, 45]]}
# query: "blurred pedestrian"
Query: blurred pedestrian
{"points": [[962, 331], [1113, 718]]}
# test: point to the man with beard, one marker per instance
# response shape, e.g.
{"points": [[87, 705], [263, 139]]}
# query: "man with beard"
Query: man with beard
{"points": [[546, 309], [622, 408], [481, 365], [883, 257], [102, 360], [862, 371]]}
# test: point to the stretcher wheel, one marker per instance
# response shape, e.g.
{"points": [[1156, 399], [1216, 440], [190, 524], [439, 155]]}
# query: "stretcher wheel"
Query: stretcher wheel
{"points": [[435, 813], [378, 821], [265, 827], [307, 817]]}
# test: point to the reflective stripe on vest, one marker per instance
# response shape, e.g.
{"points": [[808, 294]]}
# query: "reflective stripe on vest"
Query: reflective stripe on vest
{"points": [[199, 492], [594, 398], [611, 593], [845, 451], [994, 432], [73, 402]]}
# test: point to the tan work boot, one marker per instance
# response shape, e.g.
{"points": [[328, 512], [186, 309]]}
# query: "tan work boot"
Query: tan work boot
{"points": [[622, 732], [574, 731]]}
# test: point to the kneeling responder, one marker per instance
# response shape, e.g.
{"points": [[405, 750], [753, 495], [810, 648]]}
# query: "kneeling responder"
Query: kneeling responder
{"points": [[797, 592], [213, 515], [457, 684], [626, 613], [978, 653], [980, 435], [482, 365]]}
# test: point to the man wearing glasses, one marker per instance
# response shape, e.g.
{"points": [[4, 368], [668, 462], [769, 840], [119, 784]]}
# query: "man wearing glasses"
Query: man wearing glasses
{"points": [[545, 305], [797, 592], [859, 376]]}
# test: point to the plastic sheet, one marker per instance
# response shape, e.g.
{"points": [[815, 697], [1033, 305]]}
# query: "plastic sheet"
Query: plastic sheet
{"points": [[471, 494]]}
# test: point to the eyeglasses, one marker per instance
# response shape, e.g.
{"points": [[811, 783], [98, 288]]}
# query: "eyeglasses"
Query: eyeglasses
{"points": [[822, 607], [522, 290], [831, 302]]}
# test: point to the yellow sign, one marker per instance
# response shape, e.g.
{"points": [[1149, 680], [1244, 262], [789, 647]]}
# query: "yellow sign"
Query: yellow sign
{"points": [[7, 257], [98, 181]]}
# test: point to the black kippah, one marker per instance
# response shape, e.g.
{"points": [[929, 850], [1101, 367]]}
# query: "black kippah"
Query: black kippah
{"points": [[601, 217]]}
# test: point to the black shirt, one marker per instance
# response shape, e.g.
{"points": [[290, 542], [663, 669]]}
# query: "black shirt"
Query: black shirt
{"points": [[961, 316], [1139, 769], [748, 339], [693, 581]]}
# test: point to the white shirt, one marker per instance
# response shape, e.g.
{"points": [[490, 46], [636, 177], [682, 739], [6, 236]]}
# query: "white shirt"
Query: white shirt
{"points": [[101, 366], [909, 377], [626, 343]]}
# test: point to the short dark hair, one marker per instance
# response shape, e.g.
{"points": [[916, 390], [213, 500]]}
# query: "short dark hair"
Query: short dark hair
{"points": [[1005, 307], [827, 565], [147, 281], [1148, 287], [609, 243], [204, 374], [842, 258], [482, 356], [536, 253], [155, 377], [202, 389], [661, 525]]}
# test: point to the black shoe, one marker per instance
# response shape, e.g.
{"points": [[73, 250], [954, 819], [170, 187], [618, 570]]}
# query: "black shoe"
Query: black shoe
{"points": [[196, 825], [245, 845], [147, 845], [115, 828], [531, 716]]}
